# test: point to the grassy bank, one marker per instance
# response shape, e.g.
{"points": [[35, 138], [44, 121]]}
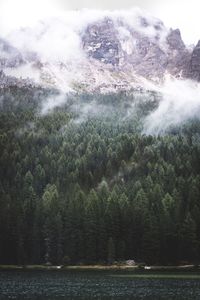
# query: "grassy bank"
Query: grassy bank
{"points": [[78, 268], [134, 269]]}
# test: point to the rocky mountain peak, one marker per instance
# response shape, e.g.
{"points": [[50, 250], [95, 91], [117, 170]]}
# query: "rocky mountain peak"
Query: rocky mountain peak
{"points": [[194, 71], [100, 41], [113, 52], [147, 49], [174, 40]]}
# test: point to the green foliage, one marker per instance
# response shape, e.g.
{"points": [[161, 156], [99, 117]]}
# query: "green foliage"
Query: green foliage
{"points": [[94, 189], [111, 251], [66, 260]]}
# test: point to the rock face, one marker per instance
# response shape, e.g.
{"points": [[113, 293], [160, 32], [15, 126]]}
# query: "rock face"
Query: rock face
{"points": [[175, 41], [117, 53], [101, 42], [150, 56], [178, 56], [194, 68]]}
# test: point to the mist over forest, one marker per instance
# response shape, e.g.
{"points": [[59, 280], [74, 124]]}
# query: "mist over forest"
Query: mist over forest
{"points": [[99, 143]]}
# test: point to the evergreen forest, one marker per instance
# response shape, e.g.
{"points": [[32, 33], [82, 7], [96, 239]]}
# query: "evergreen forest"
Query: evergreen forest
{"points": [[83, 184]]}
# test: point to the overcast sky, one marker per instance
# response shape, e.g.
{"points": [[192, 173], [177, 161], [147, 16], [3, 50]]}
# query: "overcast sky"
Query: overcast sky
{"points": [[183, 14]]}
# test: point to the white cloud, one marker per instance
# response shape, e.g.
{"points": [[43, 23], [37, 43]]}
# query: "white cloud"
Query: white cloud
{"points": [[182, 14], [180, 102], [59, 38], [24, 71], [53, 102]]}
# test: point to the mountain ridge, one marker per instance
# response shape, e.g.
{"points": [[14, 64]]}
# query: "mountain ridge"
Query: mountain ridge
{"points": [[110, 54]]}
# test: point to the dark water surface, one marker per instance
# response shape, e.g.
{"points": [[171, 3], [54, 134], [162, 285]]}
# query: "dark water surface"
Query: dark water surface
{"points": [[92, 285]]}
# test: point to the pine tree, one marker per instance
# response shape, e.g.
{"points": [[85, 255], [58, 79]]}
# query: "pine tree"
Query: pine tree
{"points": [[111, 251]]}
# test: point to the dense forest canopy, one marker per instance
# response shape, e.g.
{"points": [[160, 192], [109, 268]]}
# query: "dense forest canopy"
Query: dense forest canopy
{"points": [[83, 183]]}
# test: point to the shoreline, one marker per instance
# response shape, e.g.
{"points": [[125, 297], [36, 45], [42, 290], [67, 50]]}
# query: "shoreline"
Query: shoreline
{"points": [[136, 268]]}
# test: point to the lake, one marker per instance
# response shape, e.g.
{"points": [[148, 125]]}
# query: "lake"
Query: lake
{"points": [[57, 285]]}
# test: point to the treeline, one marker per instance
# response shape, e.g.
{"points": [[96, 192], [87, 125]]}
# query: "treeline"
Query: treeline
{"points": [[95, 190]]}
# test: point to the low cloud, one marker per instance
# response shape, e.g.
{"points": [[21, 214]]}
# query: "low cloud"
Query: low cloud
{"points": [[180, 103], [52, 102], [24, 71], [58, 39]]}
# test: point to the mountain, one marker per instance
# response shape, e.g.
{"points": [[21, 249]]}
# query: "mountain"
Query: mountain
{"points": [[100, 174], [194, 66], [111, 52], [147, 56]]}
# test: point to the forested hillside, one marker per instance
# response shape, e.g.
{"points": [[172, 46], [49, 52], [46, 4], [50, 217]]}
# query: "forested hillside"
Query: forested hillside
{"points": [[83, 183]]}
